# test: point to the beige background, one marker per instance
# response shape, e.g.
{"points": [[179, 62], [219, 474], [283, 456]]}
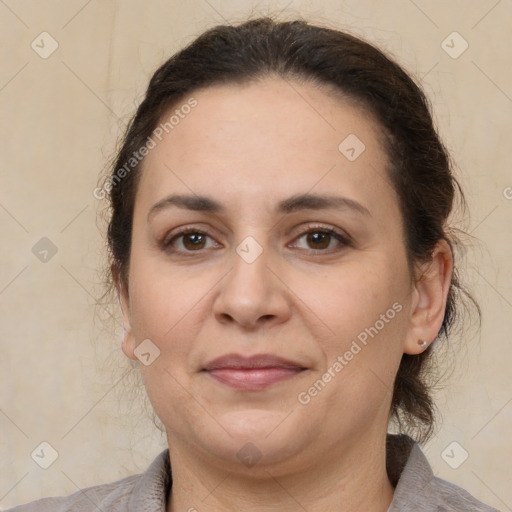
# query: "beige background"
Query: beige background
{"points": [[60, 366]]}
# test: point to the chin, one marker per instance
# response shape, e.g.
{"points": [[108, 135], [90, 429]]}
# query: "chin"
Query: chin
{"points": [[259, 441], [254, 424]]}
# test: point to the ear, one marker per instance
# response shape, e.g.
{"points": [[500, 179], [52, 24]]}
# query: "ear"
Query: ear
{"points": [[429, 299], [128, 344]]}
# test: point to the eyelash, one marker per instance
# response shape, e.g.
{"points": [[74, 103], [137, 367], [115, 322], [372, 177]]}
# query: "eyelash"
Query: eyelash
{"points": [[342, 238]]}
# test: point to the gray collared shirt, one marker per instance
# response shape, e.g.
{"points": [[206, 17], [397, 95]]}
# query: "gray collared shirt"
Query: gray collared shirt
{"points": [[416, 489]]}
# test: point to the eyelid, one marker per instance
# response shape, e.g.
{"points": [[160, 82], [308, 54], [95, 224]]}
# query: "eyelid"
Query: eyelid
{"points": [[189, 228], [326, 228]]}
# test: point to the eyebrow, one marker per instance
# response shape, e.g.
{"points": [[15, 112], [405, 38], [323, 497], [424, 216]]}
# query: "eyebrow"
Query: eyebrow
{"points": [[292, 204]]}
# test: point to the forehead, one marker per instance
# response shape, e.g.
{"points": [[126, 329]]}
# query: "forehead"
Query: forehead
{"points": [[264, 139], [299, 113]]}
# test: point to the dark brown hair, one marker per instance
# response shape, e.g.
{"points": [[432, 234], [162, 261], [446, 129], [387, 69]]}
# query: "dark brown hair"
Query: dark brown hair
{"points": [[419, 165]]}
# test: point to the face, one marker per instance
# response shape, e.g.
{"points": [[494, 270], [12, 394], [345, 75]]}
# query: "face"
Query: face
{"points": [[295, 253]]}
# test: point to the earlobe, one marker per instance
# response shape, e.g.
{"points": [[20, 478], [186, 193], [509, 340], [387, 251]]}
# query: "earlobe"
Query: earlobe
{"points": [[421, 346], [127, 341], [127, 345], [429, 299]]}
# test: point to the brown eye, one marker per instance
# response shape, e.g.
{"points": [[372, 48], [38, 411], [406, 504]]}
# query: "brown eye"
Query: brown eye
{"points": [[193, 241], [318, 240], [323, 240], [188, 241]]}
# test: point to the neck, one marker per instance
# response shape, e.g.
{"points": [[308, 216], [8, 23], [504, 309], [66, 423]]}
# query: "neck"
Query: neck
{"points": [[348, 480]]}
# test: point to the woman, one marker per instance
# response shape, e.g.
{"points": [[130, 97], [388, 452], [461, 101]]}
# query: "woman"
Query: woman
{"points": [[280, 248]]}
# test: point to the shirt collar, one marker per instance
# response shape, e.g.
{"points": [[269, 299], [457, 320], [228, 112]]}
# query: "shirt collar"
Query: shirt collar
{"points": [[416, 488], [151, 491]]}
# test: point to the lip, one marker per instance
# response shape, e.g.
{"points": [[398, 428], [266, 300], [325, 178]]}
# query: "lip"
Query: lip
{"points": [[239, 362], [252, 373]]}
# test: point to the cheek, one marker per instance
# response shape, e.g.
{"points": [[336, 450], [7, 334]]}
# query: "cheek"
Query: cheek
{"points": [[350, 299], [365, 312], [364, 309], [165, 298]]}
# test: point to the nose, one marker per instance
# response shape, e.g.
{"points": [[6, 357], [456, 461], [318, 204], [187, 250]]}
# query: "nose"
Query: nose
{"points": [[252, 294]]}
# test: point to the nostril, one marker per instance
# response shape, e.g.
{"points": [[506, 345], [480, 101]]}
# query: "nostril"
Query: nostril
{"points": [[227, 317]]}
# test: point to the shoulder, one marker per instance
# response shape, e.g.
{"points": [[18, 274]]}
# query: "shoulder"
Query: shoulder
{"points": [[123, 495], [453, 498], [114, 495], [420, 490]]}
